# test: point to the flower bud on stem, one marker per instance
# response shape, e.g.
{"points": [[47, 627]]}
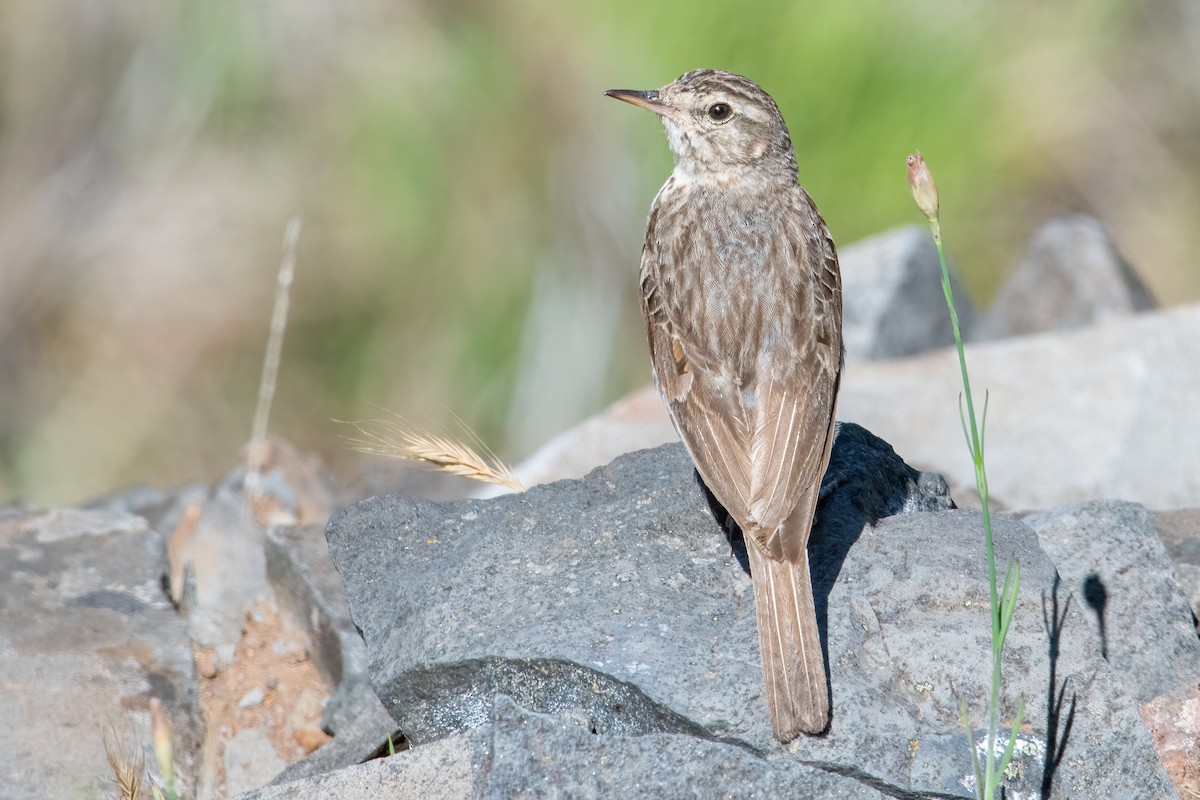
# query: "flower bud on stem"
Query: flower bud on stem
{"points": [[1003, 602]]}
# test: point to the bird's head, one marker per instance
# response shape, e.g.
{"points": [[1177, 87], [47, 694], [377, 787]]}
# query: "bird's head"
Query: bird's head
{"points": [[720, 126]]}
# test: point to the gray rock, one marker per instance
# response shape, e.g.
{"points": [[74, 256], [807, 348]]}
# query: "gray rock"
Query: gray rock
{"points": [[140, 500], [1073, 416], [224, 550], [252, 698], [223, 557], [1071, 276], [519, 753], [1180, 534], [87, 637], [443, 769], [530, 753], [913, 637], [893, 303], [1110, 557], [308, 589], [250, 761], [618, 602], [635, 422], [362, 738]]}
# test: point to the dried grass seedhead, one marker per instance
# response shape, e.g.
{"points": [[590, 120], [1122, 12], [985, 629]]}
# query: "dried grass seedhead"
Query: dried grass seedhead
{"points": [[127, 765], [398, 438]]}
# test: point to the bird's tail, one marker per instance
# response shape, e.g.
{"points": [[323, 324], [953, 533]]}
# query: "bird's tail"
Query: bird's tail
{"points": [[793, 666]]}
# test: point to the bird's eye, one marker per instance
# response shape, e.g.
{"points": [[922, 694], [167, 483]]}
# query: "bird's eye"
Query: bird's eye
{"points": [[719, 112]]}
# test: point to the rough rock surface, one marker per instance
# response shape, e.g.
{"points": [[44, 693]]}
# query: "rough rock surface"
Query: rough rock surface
{"points": [[250, 761], [1073, 416], [519, 753], [441, 769], [87, 637], [893, 304], [308, 589], [1111, 559], [1179, 530], [219, 571], [1071, 276], [618, 602]]}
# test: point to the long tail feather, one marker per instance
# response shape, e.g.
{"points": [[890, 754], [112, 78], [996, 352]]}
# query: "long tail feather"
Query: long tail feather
{"points": [[793, 667]]}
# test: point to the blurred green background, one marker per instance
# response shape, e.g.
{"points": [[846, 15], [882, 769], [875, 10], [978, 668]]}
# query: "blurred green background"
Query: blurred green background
{"points": [[473, 206]]}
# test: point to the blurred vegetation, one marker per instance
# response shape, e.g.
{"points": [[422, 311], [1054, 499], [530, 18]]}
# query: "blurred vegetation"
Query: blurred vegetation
{"points": [[473, 206]]}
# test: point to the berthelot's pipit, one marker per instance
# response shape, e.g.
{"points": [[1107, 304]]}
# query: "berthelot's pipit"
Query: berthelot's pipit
{"points": [[743, 305]]}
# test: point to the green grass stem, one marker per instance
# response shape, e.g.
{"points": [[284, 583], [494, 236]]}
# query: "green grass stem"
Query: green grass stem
{"points": [[1003, 599]]}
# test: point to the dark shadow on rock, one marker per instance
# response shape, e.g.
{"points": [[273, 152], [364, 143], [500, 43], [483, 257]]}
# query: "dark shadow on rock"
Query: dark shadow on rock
{"points": [[865, 482], [737, 544], [1056, 744], [1096, 596]]}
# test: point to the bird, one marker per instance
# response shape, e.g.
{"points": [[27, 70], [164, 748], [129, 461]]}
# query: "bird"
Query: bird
{"points": [[742, 299]]}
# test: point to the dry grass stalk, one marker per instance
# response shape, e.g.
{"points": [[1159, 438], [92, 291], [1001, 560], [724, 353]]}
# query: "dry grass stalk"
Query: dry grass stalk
{"points": [[399, 439], [255, 451], [127, 767]]}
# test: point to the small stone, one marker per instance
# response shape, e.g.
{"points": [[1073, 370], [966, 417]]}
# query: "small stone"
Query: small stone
{"points": [[310, 739], [206, 664], [224, 655], [272, 682], [252, 698], [291, 648]]}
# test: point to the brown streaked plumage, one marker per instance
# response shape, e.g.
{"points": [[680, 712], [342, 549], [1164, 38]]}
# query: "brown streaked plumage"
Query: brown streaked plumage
{"points": [[743, 305]]}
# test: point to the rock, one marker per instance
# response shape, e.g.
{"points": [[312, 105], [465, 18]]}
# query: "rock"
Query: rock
{"points": [[250, 761], [893, 304], [530, 751], [1070, 277], [141, 500], [1179, 531], [252, 698], [518, 753], [292, 487], [218, 537], [87, 637], [866, 481], [881, 493], [1111, 560], [222, 556], [636, 422], [304, 721], [441, 769], [363, 737], [1174, 723], [1051, 396], [308, 589], [1072, 416], [617, 602]]}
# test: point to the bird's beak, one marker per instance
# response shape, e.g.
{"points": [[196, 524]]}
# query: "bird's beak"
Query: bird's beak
{"points": [[648, 99]]}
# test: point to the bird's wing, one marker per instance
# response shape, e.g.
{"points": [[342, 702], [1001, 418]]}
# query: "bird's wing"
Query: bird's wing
{"points": [[761, 447], [714, 425]]}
